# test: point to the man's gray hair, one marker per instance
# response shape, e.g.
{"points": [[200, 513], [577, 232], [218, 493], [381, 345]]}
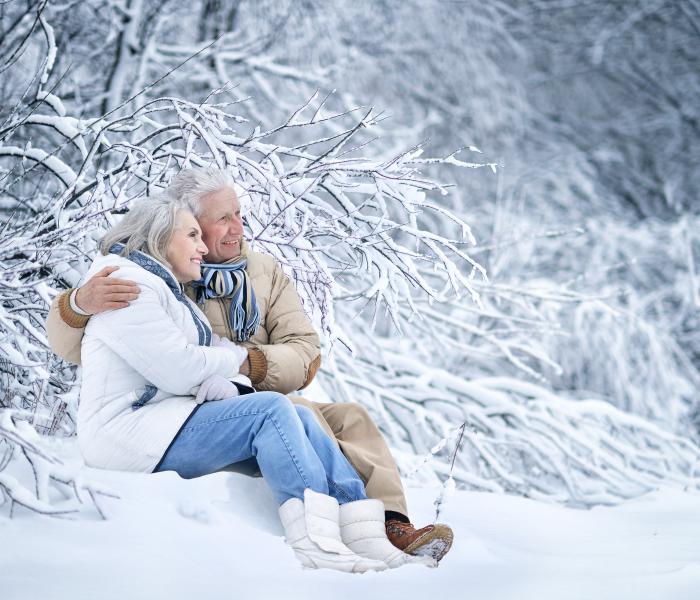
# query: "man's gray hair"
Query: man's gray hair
{"points": [[147, 227], [191, 185]]}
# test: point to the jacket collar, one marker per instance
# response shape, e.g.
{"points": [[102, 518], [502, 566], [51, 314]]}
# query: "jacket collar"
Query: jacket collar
{"points": [[150, 264]]}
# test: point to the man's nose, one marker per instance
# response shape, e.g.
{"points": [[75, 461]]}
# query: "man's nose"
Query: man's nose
{"points": [[237, 225]]}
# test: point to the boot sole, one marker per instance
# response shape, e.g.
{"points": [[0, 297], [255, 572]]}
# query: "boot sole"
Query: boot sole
{"points": [[434, 544]]}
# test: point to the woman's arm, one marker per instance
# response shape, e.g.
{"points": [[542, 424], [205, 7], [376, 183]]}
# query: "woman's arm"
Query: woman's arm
{"points": [[150, 341], [65, 327]]}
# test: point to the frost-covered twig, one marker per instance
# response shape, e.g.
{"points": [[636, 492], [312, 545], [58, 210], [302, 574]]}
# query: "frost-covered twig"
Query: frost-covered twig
{"points": [[449, 485], [522, 439], [375, 247], [31, 477]]}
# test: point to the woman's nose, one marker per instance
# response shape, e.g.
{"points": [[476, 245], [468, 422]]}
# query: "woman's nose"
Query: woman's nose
{"points": [[202, 248]]}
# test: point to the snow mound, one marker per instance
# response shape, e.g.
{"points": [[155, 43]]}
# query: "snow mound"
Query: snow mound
{"points": [[219, 537]]}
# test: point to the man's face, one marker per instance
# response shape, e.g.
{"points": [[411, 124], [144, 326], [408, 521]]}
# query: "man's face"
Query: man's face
{"points": [[222, 226]]}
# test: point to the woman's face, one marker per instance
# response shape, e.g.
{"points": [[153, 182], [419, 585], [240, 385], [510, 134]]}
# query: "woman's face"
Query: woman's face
{"points": [[186, 248]]}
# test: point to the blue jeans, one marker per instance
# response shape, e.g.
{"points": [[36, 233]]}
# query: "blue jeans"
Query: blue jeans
{"points": [[292, 451]]}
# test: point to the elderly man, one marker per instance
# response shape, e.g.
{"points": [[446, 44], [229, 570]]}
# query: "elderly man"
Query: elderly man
{"points": [[248, 299]]}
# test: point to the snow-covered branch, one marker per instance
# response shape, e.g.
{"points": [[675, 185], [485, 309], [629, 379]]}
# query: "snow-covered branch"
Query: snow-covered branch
{"points": [[33, 478], [376, 220]]}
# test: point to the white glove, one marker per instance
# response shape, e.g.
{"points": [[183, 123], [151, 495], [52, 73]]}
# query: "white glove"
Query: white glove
{"points": [[214, 387], [240, 351]]}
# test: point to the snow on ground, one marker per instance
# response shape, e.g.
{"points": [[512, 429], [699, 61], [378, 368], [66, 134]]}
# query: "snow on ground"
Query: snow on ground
{"points": [[219, 537]]}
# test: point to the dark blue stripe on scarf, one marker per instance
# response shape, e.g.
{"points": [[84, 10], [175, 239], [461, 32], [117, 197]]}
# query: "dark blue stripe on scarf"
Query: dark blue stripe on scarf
{"points": [[244, 318]]}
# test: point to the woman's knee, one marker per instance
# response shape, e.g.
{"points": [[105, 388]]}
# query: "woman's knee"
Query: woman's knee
{"points": [[306, 416], [274, 403], [305, 413]]}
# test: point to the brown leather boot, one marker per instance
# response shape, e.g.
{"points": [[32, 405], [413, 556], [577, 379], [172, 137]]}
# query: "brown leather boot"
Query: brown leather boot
{"points": [[432, 540]]}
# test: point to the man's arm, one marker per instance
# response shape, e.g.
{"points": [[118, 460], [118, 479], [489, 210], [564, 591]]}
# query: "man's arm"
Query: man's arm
{"points": [[65, 326], [293, 355]]}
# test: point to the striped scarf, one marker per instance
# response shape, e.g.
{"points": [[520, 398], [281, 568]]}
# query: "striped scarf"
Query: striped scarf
{"points": [[230, 280]]}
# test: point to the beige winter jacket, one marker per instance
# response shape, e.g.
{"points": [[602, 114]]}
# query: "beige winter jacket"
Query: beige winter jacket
{"points": [[284, 353]]}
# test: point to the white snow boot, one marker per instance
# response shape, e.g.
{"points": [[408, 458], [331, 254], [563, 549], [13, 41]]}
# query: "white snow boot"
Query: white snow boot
{"points": [[363, 530], [312, 530]]}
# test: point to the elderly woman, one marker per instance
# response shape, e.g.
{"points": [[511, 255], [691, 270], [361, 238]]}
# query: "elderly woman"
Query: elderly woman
{"points": [[161, 392]]}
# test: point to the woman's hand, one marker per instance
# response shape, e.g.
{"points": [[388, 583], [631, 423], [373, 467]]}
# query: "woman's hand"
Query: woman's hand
{"points": [[241, 352], [214, 387]]}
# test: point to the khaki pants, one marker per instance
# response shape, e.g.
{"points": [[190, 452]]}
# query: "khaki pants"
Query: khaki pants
{"points": [[352, 428]]}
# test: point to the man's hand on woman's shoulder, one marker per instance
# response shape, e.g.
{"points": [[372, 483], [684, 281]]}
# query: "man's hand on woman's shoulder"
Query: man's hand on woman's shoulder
{"points": [[102, 292]]}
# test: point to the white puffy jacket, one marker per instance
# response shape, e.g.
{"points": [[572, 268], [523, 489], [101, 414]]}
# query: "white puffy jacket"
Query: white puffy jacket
{"points": [[152, 341]]}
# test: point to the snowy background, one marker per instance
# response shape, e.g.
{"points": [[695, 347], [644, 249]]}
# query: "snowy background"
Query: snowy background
{"points": [[490, 210]]}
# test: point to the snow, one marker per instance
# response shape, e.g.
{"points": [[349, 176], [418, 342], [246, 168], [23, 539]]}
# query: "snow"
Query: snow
{"points": [[53, 163], [594, 268], [219, 537]]}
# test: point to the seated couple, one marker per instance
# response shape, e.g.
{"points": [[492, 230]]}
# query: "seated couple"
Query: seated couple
{"points": [[167, 386]]}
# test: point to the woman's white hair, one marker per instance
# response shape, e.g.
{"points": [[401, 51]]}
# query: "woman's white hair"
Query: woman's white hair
{"points": [[147, 227], [191, 185]]}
